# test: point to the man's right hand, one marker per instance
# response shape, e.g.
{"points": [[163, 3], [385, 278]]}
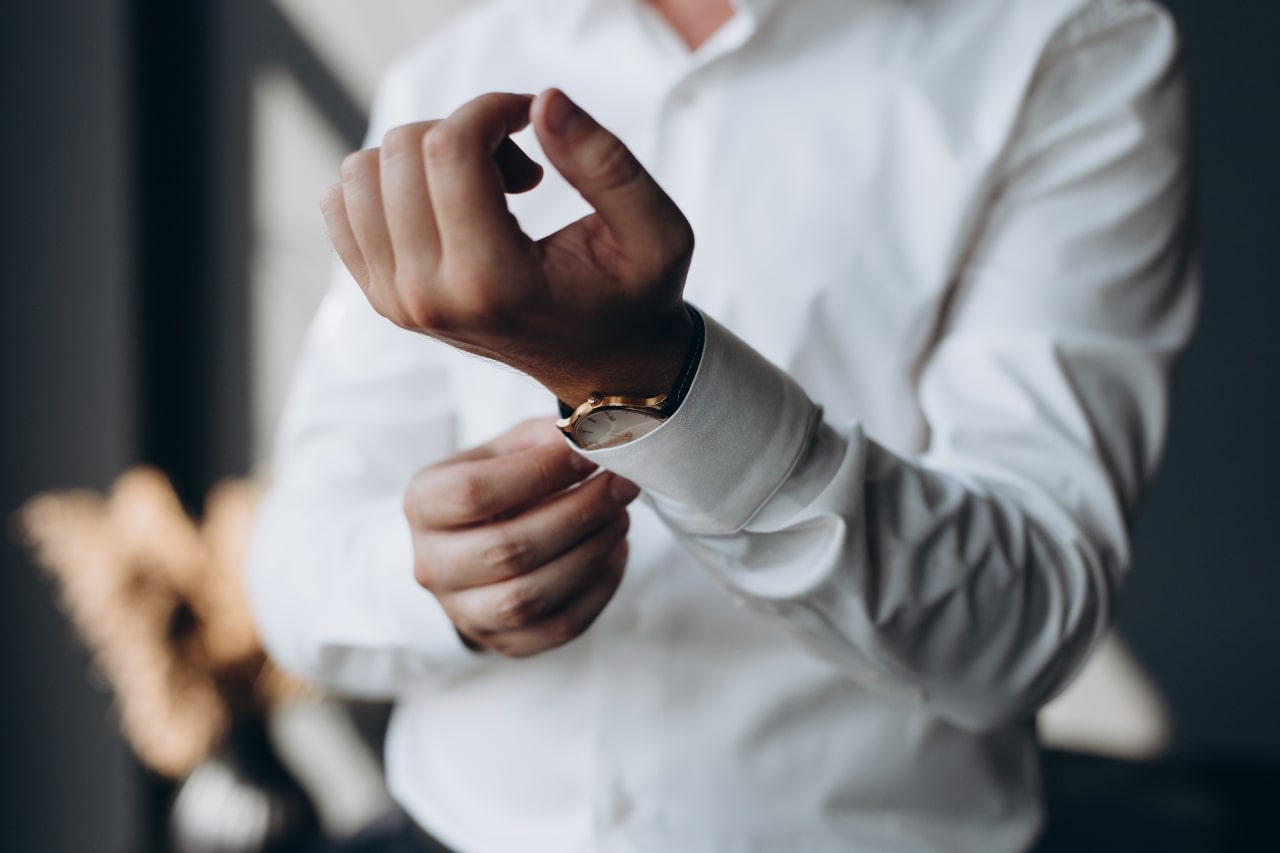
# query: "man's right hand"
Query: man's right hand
{"points": [[522, 547]]}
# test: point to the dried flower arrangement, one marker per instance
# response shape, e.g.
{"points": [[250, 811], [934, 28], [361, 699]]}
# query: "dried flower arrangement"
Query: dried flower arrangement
{"points": [[160, 602]]}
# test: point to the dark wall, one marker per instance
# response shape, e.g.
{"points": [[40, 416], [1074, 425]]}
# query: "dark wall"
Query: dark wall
{"points": [[1201, 609], [66, 398], [1200, 606], [123, 336]]}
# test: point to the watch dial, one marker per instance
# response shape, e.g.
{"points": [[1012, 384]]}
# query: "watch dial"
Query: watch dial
{"points": [[611, 427]]}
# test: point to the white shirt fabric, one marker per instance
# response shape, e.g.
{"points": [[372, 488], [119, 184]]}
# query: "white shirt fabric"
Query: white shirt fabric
{"points": [[941, 253]]}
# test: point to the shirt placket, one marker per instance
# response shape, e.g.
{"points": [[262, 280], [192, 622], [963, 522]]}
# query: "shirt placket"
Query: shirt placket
{"points": [[677, 145]]}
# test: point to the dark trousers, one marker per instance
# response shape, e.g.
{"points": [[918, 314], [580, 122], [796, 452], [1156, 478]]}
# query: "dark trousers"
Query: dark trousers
{"points": [[395, 834]]}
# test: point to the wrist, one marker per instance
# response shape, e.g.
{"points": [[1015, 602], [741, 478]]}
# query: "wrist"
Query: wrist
{"points": [[608, 419], [646, 367]]}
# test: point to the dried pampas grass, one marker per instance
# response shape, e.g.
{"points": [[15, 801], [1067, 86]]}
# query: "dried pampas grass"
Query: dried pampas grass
{"points": [[161, 604]]}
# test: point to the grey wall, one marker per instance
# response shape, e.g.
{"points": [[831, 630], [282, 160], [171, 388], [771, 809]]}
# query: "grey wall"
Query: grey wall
{"points": [[65, 403], [123, 336]]}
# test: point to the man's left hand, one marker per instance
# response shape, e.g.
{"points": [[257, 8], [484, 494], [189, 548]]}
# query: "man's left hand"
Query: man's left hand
{"points": [[423, 226]]}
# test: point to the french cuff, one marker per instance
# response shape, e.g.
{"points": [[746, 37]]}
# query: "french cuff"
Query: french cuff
{"points": [[729, 447]]}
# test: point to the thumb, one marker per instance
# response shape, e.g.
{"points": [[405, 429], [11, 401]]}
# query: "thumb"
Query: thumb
{"points": [[603, 170]]}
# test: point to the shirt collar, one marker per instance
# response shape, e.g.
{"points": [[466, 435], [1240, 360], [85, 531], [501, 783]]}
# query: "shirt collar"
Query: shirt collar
{"points": [[573, 12]]}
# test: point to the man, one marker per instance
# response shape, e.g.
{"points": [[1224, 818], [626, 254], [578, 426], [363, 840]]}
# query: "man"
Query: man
{"points": [[889, 461]]}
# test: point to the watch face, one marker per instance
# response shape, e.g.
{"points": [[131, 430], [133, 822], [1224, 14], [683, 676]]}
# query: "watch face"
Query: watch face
{"points": [[611, 427]]}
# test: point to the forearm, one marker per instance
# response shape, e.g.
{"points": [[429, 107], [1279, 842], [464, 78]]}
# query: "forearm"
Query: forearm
{"points": [[975, 595], [974, 569], [967, 597]]}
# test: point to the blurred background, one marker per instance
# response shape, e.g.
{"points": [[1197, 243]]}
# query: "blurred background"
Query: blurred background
{"points": [[163, 253]]}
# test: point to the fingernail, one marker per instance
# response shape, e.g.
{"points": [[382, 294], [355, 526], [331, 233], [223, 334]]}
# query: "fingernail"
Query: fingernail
{"points": [[563, 114], [581, 464], [623, 490]]}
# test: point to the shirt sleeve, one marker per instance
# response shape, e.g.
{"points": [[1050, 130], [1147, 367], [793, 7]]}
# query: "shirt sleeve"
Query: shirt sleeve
{"points": [[331, 562], [976, 577]]}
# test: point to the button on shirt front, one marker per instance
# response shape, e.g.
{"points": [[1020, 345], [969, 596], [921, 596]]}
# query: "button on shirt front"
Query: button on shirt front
{"points": [[940, 252]]}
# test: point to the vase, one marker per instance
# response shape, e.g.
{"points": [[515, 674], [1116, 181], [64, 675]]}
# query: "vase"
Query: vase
{"points": [[241, 799]]}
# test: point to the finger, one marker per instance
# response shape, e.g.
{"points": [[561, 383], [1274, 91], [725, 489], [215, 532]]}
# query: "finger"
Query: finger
{"points": [[362, 192], [576, 616], [524, 435], [456, 494], [468, 192], [410, 222], [492, 553], [550, 606], [603, 170], [334, 209]]}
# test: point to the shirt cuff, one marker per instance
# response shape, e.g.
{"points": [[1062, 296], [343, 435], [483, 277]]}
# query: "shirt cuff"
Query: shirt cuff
{"points": [[733, 442]]}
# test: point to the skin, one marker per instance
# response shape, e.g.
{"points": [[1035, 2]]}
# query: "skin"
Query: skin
{"points": [[422, 224], [695, 20], [522, 546]]}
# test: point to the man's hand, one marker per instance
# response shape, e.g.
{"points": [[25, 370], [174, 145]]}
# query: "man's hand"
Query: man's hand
{"points": [[520, 545], [423, 226]]}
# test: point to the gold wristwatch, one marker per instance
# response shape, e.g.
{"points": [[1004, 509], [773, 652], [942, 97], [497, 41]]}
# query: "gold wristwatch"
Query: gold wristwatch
{"points": [[610, 420]]}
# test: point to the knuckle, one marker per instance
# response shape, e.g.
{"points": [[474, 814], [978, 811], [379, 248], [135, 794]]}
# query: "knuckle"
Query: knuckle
{"points": [[477, 291], [620, 526], [612, 166], [410, 504], [611, 566], [479, 302], [587, 514], [562, 629], [401, 140], [617, 564], [418, 310], [520, 608], [509, 649], [508, 557], [473, 626], [471, 496], [681, 238], [331, 200], [357, 164], [545, 469], [417, 496], [424, 574], [442, 143], [410, 277], [471, 629], [476, 496]]}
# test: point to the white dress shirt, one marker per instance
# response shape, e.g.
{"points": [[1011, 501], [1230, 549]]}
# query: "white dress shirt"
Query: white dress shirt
{"points": [[941, 251]]}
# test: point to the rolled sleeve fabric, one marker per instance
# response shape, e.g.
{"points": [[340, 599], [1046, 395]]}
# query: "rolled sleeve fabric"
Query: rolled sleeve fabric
{"points": [[977, 576]]}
